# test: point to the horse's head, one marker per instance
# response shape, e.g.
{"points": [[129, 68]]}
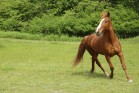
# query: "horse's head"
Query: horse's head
{"points": [[104, 24]]}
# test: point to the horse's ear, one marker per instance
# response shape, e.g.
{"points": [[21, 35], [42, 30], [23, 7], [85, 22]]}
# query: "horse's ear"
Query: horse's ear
{"points": [[108, 14], [103, 14]]}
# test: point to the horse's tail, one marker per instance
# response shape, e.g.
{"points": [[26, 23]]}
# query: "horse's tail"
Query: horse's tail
{"points": [[80, 54]]}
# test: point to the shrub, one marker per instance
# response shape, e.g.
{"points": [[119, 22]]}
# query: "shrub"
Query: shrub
{"points": [[70, 17]]}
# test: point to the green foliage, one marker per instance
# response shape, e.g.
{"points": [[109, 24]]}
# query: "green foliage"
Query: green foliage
{"points": [[46, 24], [128, 3], [70, 17], [126, 23]]}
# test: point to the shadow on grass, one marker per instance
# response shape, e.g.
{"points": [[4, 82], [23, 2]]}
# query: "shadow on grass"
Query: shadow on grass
{"points": [[90, 75]]}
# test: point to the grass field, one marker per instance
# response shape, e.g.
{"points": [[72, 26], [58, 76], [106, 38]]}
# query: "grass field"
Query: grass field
{"points": [[46, 67]]}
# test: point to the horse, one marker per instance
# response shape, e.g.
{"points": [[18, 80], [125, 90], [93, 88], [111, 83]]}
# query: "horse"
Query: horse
{"points": [[105, 42]]}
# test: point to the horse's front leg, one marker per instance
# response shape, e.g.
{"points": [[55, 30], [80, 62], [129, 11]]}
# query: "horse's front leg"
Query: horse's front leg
{"points": [[121, 57], [111, 66]]}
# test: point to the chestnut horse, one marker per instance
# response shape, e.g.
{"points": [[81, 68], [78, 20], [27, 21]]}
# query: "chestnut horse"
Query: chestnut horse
{"points": [[104, 42]]}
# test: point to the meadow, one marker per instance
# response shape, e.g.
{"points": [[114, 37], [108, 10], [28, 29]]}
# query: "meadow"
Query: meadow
{"points": [[38, 66]]}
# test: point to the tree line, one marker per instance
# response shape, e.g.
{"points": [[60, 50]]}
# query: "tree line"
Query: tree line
{"points": [[70, 17]]}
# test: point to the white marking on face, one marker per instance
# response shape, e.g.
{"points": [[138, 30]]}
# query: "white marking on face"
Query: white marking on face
{"points": [[99, 25]]}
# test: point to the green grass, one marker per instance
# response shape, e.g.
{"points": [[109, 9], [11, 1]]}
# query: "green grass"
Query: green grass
{"points": [[28, 66]]}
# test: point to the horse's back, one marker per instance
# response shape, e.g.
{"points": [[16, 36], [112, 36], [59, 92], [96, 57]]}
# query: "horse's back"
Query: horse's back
{"points": [[89, 38]]}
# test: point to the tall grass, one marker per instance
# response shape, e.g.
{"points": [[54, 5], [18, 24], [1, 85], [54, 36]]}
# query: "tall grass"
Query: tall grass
{"points": [[28, 36]]}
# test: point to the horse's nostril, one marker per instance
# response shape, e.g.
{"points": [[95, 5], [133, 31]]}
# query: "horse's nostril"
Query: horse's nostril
{"points": [[97, 33]]}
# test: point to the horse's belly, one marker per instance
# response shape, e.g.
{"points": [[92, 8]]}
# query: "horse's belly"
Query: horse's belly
{"points": [[106, 51], [111, 52], [99, 50]]}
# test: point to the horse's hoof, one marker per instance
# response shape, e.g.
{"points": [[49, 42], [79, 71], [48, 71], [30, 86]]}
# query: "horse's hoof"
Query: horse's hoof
{"points": [[107, 74], [111, 77], [91, 71], [130, 80]]}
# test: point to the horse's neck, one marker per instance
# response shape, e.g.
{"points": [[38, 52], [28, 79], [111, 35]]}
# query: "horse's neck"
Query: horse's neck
{"points": [[111, 36]]}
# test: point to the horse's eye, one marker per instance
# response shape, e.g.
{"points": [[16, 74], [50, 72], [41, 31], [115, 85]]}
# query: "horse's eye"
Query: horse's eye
{"points": [[106, 20]]}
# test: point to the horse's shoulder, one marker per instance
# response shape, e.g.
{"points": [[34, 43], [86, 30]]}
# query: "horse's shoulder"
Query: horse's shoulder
{"points": [[88, 38], [91, 36]]}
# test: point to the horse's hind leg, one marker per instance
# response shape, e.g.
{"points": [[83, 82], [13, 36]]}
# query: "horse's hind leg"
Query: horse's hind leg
{"points": [[98, 63], [93, 66]]}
